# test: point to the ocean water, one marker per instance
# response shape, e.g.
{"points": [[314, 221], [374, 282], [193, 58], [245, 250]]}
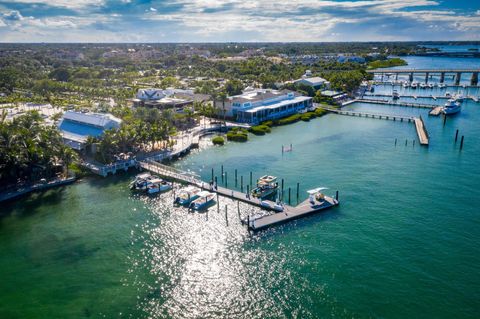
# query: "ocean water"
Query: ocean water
{"points": [[404, 242]]}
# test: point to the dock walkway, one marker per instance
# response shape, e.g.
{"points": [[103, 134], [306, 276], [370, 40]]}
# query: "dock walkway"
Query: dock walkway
{"points": [[288, 213], [397, 103], [421, 131]]}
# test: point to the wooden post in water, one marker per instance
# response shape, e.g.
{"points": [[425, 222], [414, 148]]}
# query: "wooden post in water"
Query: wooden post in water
{"points": [[212, 175], [235, 177], [226, 182], [456, 136], [406, 142], [413, 143], [250, 179], [282, 191], [241, 183], [444, 119], [395, 142], [222, 173], [336, 195], [289, 191], [216, 185], [248, 190], [461, 142]]}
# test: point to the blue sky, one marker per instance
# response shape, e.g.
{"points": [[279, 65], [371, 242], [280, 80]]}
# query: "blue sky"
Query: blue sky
{"points": [[238, 20]]}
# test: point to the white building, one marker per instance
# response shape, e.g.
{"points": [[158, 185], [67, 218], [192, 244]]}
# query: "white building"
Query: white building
{"points": [[264, 104], [315, 82], [76, 127]]}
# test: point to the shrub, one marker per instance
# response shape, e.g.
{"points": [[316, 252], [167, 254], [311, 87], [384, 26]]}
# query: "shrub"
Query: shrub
{"points": [[260, 129], [290, 119], [307, 116], [267, 123], [237, 136], [218, 140], [320, 112]]}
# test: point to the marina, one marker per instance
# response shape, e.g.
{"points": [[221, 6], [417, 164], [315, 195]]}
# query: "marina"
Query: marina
{"points": [[282, 213]]}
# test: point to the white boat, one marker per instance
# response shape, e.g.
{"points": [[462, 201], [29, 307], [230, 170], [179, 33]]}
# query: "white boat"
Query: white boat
{"points": [[266, 187], [141, 182], [414, 85], [395, 95], [431, 85], [442, 85], [187, 195], [406, 84], [459, 97], [452, 107], [203, 201], [157, 185], [423, 86], [316, 197]]}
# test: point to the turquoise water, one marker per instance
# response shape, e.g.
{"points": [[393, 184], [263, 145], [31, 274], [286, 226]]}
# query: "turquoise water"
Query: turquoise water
{"points": [[404, 243]]}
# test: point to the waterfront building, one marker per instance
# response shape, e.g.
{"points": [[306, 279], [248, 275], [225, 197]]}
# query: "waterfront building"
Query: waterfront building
{"points": [[259, 105], [352, 58], [337, 97], [76, 127]]}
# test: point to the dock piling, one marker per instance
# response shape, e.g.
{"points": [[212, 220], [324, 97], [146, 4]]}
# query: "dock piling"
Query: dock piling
{"points": [[456, 136], [289, 192], [461, 142], [248, 190], [444, 119], [414, 143], [298, 187], [226, 180], [336, 195], [222, 173], [212, 175], [251, 179], [406, 142], [235, 177], [241, 183], [395, 142], [282, 191]]}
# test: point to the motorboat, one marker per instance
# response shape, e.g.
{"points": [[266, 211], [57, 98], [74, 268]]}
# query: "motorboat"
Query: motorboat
{"points": [[317, 197], [266, 186], [442, 85], [452, 107], [431, 85], [406, 84], [395, 95], [157, 185], [459, 97], [423, 85], [187, 195], [141, 182], [414, 85], [203, 200]]}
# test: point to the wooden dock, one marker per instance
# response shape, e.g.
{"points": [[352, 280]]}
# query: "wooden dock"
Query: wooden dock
{"points": [[397, 103], [436, 111], [253, 223], [419, 124], [421, 131]]}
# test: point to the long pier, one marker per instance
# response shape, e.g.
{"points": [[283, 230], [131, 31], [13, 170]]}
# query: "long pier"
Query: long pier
{"points": [[419, 123], [254, 223], [397, 103]]}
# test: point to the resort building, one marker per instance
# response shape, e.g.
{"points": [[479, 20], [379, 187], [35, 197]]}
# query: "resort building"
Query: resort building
{"points": [[337, 97], [168, 98], [76, 127], [260, 105], [316, 82]]}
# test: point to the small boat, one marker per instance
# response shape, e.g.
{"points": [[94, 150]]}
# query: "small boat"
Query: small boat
{"points": [[423, 86], [406, 84], [431, 85], [187, 195], [452, 107], [316, 197], [414, 85], [395, 95], [157, 185], [266, 187], [459, 97], [203, 200], [442, 85], [141, 182]]}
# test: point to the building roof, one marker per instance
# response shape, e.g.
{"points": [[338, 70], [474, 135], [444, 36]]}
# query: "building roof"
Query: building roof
{"points": [[278, 104], [313, 81], [102, 120], [258, 95]]}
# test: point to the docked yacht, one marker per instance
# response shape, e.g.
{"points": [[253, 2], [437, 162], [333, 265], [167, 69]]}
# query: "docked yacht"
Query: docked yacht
{"points": [[266, 187], [452, 107], [442, 85], [423, 86], [431, 85], [414, 85], [203, 200], [187, 195], [406, 84], [141, 182], [157, 185]]}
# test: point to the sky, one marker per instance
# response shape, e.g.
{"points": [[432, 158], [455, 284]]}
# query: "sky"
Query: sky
{"points": [[238, 20]]}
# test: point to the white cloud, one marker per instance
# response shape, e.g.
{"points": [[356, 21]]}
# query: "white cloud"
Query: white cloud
{"points": [[72, 4], [13, 15], [153, 9]]}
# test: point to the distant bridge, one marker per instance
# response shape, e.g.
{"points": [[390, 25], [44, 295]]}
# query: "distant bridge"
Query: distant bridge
{"points": [[457, 73]]}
